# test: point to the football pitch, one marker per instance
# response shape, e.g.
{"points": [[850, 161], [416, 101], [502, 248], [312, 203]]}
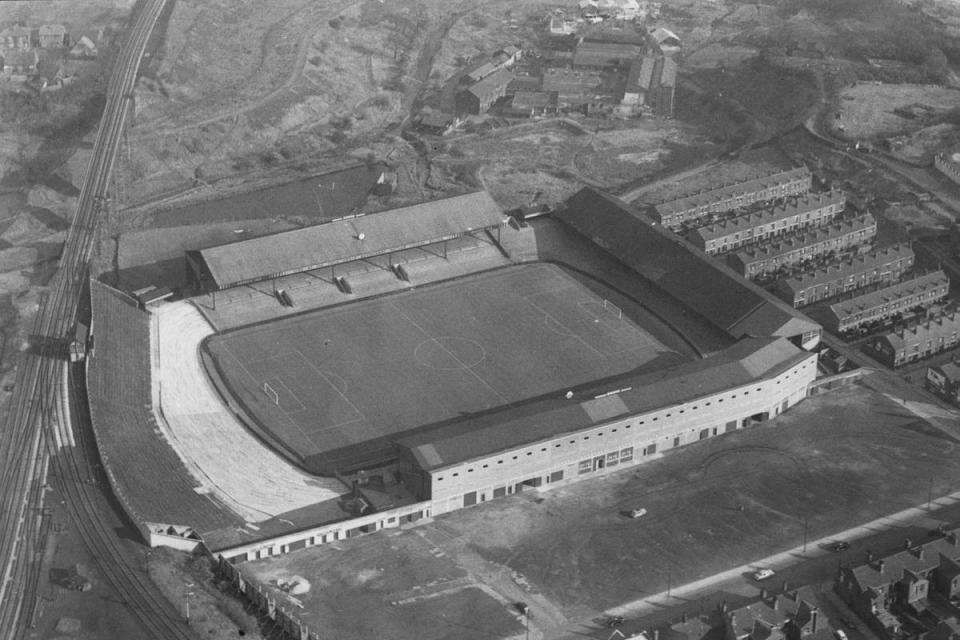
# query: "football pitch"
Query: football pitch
{"points": [[337, 384]]}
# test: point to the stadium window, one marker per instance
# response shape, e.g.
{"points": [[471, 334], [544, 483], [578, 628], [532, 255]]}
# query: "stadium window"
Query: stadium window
{"points": [[529, 453], [558, 445], [485, 466], [669, 414], [514, 457], [543, 449], [655, 418], [469, 470], [455, 475], [682, 410], [694, 407], [600, 434], [440, 479], [628, 426], [499, 461], [585, 466]]}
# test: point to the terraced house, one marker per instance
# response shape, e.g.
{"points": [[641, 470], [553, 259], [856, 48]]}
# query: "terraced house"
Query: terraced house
{"points": [[909, 345], [884, 265], [767, 258], [810, 210], [672, 213], [881, 304]]}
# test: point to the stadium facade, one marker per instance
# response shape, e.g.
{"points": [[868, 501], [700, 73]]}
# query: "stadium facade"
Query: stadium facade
{"points": [[762, 366]]}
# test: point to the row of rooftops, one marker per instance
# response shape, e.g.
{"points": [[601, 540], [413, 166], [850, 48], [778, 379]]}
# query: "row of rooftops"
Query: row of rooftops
{"points": [[810, 238], [792, 208], [914, 560], [729, 191], [849, 268], [933, 330], [929, 282]]}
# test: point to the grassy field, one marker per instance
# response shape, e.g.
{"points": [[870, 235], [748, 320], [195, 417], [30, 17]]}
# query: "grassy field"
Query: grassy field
{"points": [[867, 108], [832, 462], [377, 368]]}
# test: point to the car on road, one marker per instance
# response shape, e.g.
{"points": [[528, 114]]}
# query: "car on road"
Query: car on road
{"points": [[840, 634], [763, 574], [842, 545], [848, 623], [638, 513], [614, 621]]}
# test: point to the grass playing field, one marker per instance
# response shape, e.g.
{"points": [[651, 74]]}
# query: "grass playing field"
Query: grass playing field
{"points": [[335, 385]]}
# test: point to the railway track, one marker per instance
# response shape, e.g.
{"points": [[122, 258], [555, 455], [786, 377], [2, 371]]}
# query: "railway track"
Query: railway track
{"points": [[36, 431]]}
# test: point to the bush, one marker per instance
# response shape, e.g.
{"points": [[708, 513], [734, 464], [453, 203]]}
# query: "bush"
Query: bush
{"points": [[335, 23]]}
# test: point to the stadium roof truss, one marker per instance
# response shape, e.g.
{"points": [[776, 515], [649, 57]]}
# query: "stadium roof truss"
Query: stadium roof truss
{"points": [[341, 241]]}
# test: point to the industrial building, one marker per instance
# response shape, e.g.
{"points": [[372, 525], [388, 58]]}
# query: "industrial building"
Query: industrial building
{"points": [[760, 259], [672, 213], [808, 210], [884, 265], [876, 306]]}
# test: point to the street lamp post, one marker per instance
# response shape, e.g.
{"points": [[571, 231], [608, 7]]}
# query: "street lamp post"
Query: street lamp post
{"points": [[929, 493], [526, 619], [186, 597], [805, 522]]}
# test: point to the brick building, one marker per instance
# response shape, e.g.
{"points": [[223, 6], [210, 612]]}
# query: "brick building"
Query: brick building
{"points": [[754, 261], [672, 213], [887, 302], [944, 380], [901, 582], [480, 96], [884, 265], [808, 210], [898, 348]]}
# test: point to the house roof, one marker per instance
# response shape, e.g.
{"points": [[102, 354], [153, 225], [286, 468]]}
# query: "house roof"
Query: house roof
{"points": [[847, 269], [807, 239], [481, 71], [533, 99], [554, 415], [712, 290], [725, 192], [590, 53], [793, 207], [340, 241], [640, 75], [571, 82], [668, 75], [886, 295], [662, 34], [917, 560], [942, 327], [437, 119], [52, 30], [492, 84], [15, 30], [951, 370], [16, 57]]}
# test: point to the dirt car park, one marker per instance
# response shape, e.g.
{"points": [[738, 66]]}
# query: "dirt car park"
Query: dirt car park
{"points": [[834, 461]]}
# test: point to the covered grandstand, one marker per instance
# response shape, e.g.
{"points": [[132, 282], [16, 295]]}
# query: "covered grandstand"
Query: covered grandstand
{"points": [[737, 307], [147, 475], [325, 246]]}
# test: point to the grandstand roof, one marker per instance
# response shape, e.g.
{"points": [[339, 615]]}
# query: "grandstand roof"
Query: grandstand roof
{"points": [[854, 266], [550, 416], [348, 239], [710, 289], [871, 300]]}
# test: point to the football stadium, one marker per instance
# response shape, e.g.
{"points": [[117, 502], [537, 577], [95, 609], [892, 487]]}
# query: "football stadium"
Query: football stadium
{"points": [[354, 375]]}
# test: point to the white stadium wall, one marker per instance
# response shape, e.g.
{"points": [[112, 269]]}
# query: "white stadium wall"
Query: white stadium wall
{"points": [[618, 443]]}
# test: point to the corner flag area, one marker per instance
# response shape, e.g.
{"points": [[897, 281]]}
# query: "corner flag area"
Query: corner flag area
{"points": [[335, 386]]}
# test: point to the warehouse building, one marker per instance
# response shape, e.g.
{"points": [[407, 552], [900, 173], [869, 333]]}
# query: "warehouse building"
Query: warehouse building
{"points": [[898, 348], [884, 265], [754, 261], [809, 210], [481, 95], [620, 422], [672, 213], [879, 305]]}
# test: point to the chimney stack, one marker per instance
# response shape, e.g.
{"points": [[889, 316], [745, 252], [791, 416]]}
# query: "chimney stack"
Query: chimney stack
{"points": [[683, 617], [813, 619], [880, 564], [776, 603], [656, 634], [907, 543], [763, 593], [869, 555]]}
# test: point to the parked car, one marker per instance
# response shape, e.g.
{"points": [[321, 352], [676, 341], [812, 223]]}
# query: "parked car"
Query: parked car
{"points": [[840, 634], [850, 624], [638, 513], [615, 621], [842, 545], [763, 574]]}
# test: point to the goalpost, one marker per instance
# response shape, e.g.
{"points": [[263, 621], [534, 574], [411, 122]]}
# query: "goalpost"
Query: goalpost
{"points": [[612, 308], [271, 393]]}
